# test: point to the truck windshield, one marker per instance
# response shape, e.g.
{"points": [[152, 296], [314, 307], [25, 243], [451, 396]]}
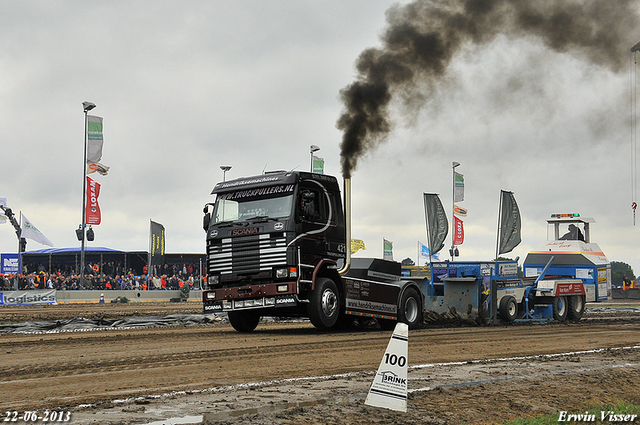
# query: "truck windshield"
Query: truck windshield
{"points": [[242, 205]]}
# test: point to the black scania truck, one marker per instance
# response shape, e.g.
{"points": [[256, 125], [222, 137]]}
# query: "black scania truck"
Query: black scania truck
{"points": [[277, 245]]}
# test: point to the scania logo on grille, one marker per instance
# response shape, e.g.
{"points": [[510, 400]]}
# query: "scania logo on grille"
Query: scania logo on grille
{"points": [[238, 232], [214, 233], [278, 226]]}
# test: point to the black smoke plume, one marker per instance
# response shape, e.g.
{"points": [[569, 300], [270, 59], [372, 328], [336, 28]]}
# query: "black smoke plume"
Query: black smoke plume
{"points": [[422, 37]]}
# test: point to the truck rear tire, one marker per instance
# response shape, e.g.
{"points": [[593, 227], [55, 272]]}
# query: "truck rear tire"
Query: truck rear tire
{"points": [[244, 321], [508, 309], [560, 308], [324, 306], [575, 308], [410, 308]]}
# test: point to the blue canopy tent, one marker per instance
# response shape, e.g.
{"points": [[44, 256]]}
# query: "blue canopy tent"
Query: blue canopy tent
{"points": [[52, 259]]}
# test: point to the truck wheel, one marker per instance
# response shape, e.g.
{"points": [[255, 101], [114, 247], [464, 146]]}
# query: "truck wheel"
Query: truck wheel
{"points": [[324, 307], [244, 321], [410, 308], [560, 309], [575, 308], [508, 309]]}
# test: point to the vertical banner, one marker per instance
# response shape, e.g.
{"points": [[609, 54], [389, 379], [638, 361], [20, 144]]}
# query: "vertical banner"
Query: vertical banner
{"points": [[92, 208], [318, 165], [458, 236], [387, 250], [510, 223], [458, 187], [94, 139], [437, 223], [157, 243], [3, 217]]}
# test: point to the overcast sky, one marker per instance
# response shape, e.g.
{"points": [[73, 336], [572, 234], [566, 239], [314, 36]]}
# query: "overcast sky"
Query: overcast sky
{"points": [[185, 87]]}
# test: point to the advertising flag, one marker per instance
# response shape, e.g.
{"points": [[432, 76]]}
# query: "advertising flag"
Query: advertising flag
{"points": [[424, 252], [510, 223], [387, 249], [28, 230], [437, 223], [357, 245], [94, 139], [3, 217], [458, 187], [318, 165], [157, 243], [462, 212], [92, 208], [458, 236], [96, 166]]}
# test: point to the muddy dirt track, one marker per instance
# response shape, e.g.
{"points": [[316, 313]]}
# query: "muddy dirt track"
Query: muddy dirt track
{"points": [[290, 373]]}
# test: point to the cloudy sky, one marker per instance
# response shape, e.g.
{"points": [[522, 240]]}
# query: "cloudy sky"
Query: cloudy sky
{"points": [[185, 87]]}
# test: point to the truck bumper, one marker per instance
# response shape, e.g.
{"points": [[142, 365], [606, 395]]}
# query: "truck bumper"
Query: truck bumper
{"points": [[270, 295]]}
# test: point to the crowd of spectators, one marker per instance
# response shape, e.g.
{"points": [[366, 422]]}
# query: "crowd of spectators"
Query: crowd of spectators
{"points": [[106, 276]]}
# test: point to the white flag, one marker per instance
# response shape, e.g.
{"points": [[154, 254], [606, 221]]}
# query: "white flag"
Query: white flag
{"points": [[30, 231], [3, 217]]}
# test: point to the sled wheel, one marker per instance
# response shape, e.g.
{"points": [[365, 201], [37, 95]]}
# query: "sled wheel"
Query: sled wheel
{"points": [[508, 309], [560, 309], [575, 308]]}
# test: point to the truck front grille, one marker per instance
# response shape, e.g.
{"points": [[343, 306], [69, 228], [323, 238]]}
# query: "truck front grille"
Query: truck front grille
{"points": [[247, 254]]}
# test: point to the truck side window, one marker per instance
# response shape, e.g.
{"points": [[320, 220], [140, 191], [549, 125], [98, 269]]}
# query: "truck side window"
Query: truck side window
{"points": [[311, 206]]}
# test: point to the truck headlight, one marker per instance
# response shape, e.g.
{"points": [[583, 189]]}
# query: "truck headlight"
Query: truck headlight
{"points": [[282, 288], [211, 295], [282, 273]]}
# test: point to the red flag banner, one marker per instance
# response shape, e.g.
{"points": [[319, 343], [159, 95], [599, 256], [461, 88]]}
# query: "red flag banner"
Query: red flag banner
{"points": [[92, 207], [458, 236]]}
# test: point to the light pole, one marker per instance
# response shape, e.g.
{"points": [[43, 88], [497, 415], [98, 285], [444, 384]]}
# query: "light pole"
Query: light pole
{"points": [[224, 169], [453, 251], [87, 106], [313, 149]]}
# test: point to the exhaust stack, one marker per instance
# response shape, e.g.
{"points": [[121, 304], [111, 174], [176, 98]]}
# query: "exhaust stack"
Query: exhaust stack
{"points": [[347, 222]]}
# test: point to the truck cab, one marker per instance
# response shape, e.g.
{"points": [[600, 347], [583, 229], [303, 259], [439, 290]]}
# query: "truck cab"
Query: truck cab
{"points": [[276, 246]]}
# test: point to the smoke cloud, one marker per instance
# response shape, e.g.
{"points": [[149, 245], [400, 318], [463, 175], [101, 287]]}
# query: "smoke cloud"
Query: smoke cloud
{"points": [[422, 37]]}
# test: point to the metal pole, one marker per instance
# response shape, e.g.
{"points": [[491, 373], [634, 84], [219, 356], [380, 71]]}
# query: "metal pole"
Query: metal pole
{"points": [[87, 106], [453, 207]]}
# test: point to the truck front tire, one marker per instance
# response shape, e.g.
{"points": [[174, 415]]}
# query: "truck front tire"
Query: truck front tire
{"points": [[244, 320], [324, 306]]}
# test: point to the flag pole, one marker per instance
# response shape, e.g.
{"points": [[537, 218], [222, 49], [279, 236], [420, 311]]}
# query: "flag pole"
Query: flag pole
{"points": [[150, 247], [499, 223], [86, 106]]}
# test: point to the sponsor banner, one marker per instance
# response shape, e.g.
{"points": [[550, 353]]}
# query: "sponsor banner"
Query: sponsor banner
{"points": [[157, 243], [3, 217], [458, 187], [510, 223], [10, 263], [437, 223], [458, 236], [318, 165], [93, 209], [28, 297], [94, 139], [387, 253]]}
